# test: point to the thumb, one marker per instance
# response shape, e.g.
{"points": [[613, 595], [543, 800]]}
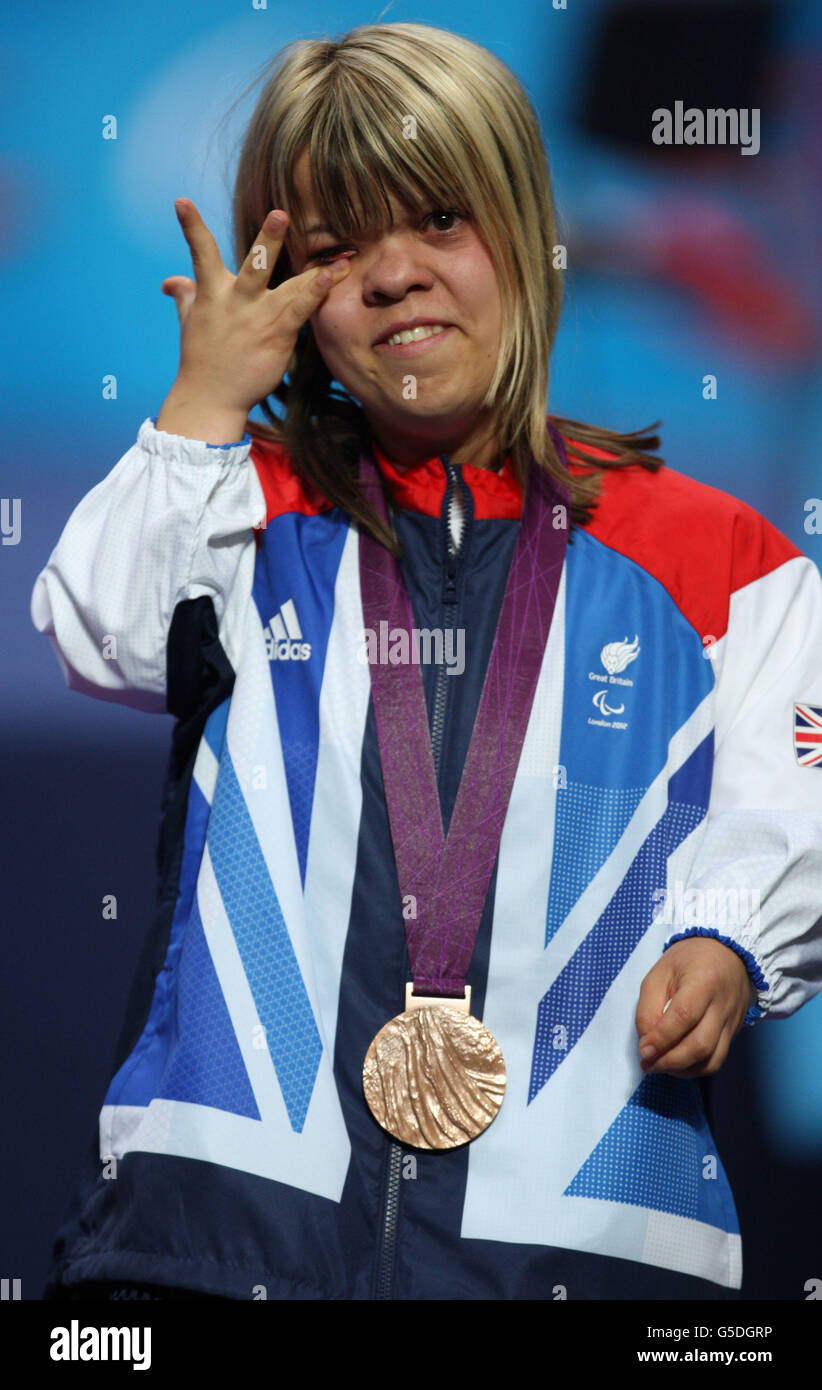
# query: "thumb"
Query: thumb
{"points": [[183, 291], [656, 989]]}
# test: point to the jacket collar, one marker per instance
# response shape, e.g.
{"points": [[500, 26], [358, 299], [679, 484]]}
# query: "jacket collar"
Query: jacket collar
{"points": [[421, 487]]}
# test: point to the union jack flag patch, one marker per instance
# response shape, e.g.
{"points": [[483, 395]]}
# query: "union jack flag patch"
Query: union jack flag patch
{"points": [[807, 735]]}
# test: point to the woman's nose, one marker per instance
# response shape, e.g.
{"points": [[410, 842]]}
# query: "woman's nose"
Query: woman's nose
{"points": [[395, 266]]}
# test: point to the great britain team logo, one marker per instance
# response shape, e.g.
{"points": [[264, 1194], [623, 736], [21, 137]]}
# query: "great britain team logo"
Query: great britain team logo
{"points": [[807, 735], [615, 656]]}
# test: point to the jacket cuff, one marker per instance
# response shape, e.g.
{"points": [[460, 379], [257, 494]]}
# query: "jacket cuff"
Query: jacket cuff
{"points": [[246, 439], [760, 983]]}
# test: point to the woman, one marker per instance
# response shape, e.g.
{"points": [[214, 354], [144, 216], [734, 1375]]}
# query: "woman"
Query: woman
{"points": [[534, 763]]}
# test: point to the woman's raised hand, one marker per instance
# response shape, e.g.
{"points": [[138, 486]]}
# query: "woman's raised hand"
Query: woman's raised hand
{"points": [[236, 335]]}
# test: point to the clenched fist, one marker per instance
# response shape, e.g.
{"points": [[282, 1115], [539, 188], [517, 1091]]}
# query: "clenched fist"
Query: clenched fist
{"points": [[709, 990]]}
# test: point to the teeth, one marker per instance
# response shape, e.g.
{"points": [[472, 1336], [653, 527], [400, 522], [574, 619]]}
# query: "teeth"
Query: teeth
{"points": [[413, 335]]}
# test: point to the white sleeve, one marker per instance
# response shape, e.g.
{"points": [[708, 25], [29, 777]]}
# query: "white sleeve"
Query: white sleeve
{"points": [[173, 520], [762, 847]]}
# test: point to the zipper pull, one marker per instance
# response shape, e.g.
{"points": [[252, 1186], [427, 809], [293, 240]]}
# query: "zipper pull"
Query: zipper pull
{"points": [[450, 585]]}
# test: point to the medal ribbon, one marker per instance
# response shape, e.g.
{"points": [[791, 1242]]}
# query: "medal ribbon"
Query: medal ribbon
{"points": [[449, 877]]}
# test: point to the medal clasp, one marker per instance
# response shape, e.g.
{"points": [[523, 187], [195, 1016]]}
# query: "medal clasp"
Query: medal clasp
{"points": [[422, 1001]]}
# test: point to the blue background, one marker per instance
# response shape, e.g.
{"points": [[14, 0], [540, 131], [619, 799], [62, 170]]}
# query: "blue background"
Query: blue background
{"points": [[87, 234]]}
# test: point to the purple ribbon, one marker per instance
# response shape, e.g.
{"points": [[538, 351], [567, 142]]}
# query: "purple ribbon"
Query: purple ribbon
{"points": [[449, 877]]}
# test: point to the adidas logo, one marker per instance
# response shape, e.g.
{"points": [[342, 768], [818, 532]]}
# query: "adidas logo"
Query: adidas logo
{"points": [[283, 636]]}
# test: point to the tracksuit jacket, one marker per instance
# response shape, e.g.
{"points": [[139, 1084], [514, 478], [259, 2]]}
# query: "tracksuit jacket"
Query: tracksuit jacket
{"points": [[670, 783]]}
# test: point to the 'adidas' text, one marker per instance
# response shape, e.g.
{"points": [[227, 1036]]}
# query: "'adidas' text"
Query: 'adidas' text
{"points": [[283, 636]]}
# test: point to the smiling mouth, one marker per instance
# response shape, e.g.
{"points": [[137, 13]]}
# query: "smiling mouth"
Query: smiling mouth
{"points": [[414, 335], [412, 342]]}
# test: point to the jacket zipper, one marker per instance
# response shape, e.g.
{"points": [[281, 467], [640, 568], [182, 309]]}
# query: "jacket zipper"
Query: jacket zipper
{"points": [[389, 1221], [391, 1206], [449, 600]]}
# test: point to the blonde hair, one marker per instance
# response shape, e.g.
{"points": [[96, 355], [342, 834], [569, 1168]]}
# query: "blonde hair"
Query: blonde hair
{"points": [[477, 147]]}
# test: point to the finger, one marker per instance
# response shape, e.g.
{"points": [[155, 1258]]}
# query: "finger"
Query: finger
{"points": [[686, 1009], [701, 1053], [182, 290], [176, 286], [255, 271], [205, 253], [308, 290]]}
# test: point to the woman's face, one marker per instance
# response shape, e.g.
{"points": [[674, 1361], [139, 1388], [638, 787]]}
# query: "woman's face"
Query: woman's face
{"points": [[423, 398]]}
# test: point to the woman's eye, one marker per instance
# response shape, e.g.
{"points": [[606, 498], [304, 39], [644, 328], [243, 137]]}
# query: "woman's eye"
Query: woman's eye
{"points": [[445, 212], [329, 253]]}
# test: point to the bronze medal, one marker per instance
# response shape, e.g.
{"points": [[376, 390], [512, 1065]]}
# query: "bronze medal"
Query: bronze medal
{"points": [[434, 1076]]}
